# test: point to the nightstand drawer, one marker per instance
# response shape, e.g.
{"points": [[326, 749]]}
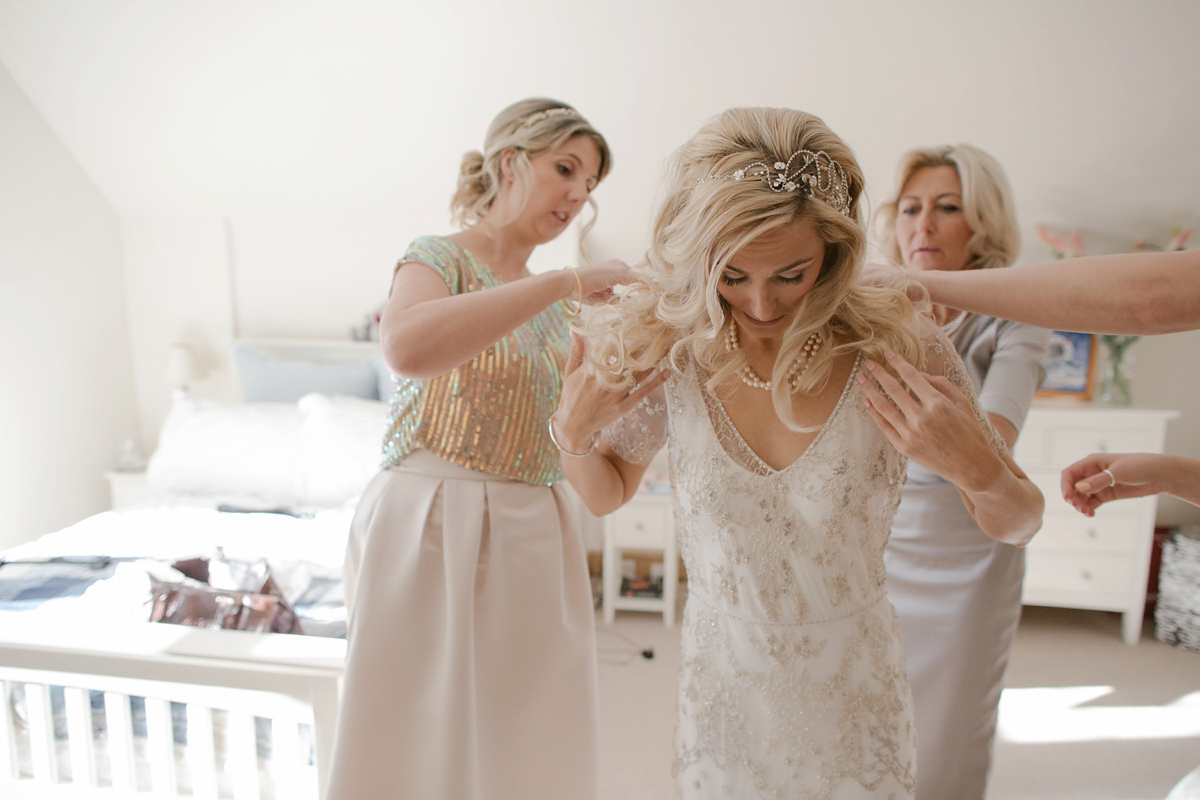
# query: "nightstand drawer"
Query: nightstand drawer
{"points": [[1071, 532], [1076, 574], [1072, 444], [636, 525], [1032, 447]]}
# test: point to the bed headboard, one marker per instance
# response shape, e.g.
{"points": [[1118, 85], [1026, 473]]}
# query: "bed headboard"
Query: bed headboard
{"points": [[283, 370]]}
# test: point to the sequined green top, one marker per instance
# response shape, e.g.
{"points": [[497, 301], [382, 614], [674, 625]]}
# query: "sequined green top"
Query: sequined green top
{"points": [[490, 413]]}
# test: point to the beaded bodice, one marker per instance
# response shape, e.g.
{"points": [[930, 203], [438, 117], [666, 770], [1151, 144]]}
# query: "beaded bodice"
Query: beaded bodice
{"points": [[490, 413], [800, 544]]}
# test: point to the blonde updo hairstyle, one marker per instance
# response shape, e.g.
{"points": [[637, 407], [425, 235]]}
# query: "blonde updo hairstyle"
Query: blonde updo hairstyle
{"points": [[986, 203], [529, 127], [704, 219]]}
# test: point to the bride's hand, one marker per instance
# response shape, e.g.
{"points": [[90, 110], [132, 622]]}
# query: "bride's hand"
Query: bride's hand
{"points": [[585, 407]]}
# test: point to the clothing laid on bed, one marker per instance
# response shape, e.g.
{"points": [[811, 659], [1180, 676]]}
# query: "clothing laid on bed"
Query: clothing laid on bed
{"points": [[471, 666], [792, 678], [957, 591]]}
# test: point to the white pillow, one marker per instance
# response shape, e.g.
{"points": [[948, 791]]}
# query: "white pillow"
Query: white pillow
{"points": [[342, 446], [247, 449]]}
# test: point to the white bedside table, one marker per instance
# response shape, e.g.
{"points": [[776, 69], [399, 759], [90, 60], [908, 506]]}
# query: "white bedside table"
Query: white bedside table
{"points": [[647, 522], [127, 488]]}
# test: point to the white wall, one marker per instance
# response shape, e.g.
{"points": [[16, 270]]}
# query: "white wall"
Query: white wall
{"points": [[67, 398], [269, 160]]}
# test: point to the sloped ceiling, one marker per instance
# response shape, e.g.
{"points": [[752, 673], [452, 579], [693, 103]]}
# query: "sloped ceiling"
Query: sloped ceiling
{"points": [[216, 106]]}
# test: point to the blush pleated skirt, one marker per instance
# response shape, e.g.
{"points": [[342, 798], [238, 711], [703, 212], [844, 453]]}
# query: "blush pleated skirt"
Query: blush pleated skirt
{"points": [[471, 668]]}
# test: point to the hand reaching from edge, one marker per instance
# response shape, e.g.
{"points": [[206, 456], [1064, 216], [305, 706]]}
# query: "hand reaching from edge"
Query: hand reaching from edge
{"points": [[585, 407], [1095, 480]]}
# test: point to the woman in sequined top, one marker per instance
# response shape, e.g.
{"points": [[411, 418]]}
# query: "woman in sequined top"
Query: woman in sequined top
{"points": [[791, 409], [471, 664]]}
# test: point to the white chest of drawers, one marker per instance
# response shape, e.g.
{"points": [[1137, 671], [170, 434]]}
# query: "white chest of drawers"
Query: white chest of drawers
{"points": [[1099, 562]]}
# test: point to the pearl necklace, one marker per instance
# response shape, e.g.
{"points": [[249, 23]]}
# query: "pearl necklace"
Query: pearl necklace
{"points": [[750, 377]]}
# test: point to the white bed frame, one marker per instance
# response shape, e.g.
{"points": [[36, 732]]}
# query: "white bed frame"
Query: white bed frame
{"points": [[225, 678]]}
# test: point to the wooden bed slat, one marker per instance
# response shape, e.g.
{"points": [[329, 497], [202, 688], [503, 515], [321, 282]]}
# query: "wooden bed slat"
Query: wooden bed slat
{"points": [[160, 746], [41, 732], [201, 751], [80, 736], [119, 720], [243, 756], [9, 765]]}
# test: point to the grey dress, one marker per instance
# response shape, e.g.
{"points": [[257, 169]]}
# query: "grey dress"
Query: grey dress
{"points": [[956, 591]]}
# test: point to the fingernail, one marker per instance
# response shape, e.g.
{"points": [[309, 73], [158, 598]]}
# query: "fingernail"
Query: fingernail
{"points": [[861, 378], [1083, 486], [869, 364], [890, 354]]}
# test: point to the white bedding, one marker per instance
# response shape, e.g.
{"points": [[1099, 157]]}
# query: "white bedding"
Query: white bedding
{"points": [[303, 553]]}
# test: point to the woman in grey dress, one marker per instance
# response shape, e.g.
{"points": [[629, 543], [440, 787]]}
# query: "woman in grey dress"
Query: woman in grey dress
{"points": [[956, 590]]}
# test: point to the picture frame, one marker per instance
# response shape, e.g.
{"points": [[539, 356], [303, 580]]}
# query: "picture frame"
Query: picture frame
{"points": [[1070, 366]]}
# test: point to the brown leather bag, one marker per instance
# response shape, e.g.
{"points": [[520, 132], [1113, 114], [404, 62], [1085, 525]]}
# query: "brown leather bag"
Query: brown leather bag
{"points": [[256, 605]]}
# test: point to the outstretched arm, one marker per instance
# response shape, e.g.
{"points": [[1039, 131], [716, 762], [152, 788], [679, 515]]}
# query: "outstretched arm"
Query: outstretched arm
{"points": [[425, 331], [1135, 293], [933, 422], [1092, 481]]}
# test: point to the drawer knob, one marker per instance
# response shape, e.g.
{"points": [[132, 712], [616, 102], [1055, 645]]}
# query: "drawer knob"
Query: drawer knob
{"points": [[637, 526], [1091, 533], [1103, 446], [1087, 575]]}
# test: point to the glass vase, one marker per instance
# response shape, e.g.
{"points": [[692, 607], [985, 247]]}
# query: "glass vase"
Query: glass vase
{"points": [[1115, 382]]}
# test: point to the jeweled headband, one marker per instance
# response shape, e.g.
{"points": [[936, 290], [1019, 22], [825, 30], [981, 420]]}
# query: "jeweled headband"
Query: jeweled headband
{"points": [[537, 117], [817, 174]]}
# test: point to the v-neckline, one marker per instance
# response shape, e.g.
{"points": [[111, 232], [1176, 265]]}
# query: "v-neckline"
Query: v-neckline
{"points": [[767, 469]]}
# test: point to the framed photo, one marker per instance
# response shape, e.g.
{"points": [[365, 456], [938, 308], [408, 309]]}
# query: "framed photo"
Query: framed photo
{"points": [[1070, 366]]}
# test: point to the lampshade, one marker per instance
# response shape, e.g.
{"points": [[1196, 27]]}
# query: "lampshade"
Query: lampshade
{"points": [[182, 368]]}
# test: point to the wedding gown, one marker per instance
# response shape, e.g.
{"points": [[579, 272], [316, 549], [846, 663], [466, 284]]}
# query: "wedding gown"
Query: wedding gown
{"points": [[792, 679]]}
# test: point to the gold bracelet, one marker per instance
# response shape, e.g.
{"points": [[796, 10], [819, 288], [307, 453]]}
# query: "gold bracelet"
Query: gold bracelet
{"points": [[578, 303], [565, 451]]}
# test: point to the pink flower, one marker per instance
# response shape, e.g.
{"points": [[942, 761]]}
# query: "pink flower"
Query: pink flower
{"points": [[1077, 248], [1177, 240], [1055, 244]]}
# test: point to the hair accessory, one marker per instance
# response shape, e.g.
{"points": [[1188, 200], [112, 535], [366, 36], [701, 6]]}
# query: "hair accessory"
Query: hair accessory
{"points": [[749, 377], [560, 111], [563, 450], [817, 174], [579, 288]]}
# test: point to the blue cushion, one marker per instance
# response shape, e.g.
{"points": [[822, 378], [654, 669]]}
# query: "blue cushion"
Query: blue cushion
{"points": [[387, 383], [283, 381]]}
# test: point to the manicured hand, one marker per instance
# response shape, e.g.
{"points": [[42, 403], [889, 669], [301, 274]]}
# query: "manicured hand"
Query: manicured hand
{"points": [[929, 420], [1087, 486], [598, 280], [586, 407]]}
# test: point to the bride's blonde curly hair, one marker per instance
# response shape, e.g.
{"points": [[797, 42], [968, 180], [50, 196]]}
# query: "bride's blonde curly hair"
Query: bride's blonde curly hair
{"points": [[702, 221]]}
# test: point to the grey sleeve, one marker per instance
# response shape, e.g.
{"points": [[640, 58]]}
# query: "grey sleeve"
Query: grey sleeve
{"points": [[1016, 371]]}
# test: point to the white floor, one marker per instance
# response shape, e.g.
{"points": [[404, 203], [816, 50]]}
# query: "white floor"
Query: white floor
{"points": [[1084, 716]]}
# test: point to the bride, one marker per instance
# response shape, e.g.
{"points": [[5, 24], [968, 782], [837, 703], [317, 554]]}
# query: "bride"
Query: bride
{"points": [[791, 398]]}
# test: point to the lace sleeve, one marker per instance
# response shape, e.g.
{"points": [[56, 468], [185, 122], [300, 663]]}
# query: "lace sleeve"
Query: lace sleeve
{"points": [[942, 359], [641, 432]]}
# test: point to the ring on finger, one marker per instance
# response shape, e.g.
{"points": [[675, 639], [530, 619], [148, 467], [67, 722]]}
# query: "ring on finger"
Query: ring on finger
{"points": [[1111, 478]]}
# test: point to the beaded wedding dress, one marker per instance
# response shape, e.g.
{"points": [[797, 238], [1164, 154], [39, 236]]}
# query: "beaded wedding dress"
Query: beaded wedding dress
{"points": [[792, 679]]}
